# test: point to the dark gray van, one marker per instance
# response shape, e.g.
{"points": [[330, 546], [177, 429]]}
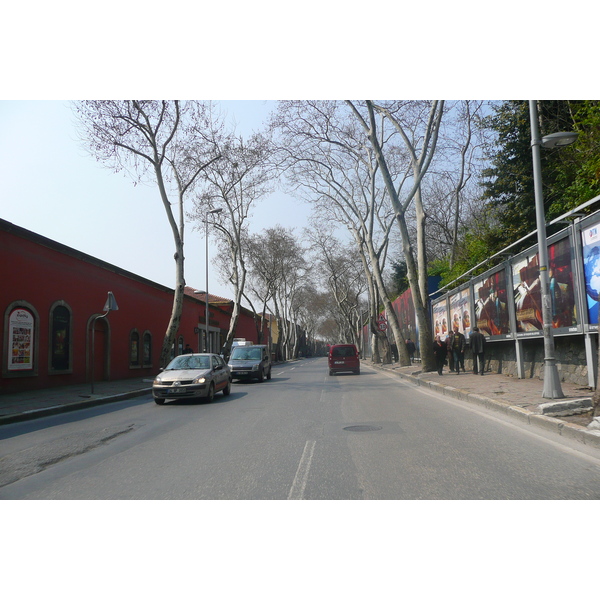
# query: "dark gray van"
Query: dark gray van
{"points": [[250, 362]]}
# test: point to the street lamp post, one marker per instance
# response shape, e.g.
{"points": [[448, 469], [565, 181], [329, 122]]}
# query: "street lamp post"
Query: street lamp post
{"points": [[552, 387], [210, 212], [110, 304]]}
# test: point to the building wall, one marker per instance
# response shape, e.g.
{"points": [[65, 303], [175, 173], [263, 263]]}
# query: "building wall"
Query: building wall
{"points": [[39, 275]]}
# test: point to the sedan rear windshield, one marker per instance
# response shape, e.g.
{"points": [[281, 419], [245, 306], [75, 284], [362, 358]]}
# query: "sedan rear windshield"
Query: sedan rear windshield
{"points": [[344, 351]]}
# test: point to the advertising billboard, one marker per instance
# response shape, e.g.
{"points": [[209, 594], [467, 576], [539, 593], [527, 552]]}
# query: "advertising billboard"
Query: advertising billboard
{"points": [[590, 238], [440, 319], [491, 305], [460, 312]]}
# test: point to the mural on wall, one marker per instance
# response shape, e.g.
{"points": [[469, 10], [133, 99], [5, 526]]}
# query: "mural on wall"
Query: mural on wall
{"points": [[491, 305], [590, 238], [528, 294], [440, 320], [460, 311]]}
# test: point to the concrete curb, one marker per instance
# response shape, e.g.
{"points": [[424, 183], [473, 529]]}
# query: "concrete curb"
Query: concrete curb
{"points": [[567, 430], [63, 408]]}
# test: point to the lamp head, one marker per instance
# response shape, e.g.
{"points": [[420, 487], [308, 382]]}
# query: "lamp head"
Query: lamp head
{"points": [[111, 303], [562, 138]]}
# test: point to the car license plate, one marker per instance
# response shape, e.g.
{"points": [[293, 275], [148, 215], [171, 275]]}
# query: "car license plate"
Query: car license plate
{"points": [[177, 390], [242, 372], [338, 362]]}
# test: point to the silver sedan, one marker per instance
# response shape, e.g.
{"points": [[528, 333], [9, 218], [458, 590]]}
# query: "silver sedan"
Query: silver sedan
{"points": [[192, 376]]}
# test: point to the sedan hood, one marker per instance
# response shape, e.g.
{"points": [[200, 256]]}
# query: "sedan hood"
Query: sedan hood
{"points": [[183, 375]]}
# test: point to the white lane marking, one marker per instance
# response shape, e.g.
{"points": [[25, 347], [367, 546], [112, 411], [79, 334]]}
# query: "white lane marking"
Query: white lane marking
{"points": [[299, 484]]}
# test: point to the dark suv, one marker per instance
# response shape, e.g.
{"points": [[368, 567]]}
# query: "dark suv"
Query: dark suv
{"points": [[250, 362], [344, 357]]}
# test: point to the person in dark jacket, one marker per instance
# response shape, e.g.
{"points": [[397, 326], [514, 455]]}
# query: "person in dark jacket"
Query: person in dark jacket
{"points": [[478, 347], [440, 351], [456, 346]]}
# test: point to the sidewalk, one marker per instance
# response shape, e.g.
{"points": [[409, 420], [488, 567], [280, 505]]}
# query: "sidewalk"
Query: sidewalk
{"points": [[41, 403], [520, 398]]}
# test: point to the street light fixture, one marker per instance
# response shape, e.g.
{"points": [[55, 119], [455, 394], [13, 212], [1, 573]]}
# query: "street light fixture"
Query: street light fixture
{"points": [[110, 304], [552, 387], [210, 212]]}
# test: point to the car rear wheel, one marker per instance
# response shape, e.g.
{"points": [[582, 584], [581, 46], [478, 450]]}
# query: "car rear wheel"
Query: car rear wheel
{"points": [[330, 372], [211, 392], [269, 374], [159, 401]]}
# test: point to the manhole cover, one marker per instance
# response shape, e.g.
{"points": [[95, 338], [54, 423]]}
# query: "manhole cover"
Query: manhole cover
{"points": [[362, 428]]}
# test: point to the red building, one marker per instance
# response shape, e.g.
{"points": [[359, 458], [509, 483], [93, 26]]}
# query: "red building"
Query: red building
{"points": [[52, 299]]}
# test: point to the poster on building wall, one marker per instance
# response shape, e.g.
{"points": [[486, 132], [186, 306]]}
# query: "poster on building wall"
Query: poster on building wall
{"points": [[440, 319], [460, 312], [491, 305], [528, 293], [590, 238], [20, 340]]}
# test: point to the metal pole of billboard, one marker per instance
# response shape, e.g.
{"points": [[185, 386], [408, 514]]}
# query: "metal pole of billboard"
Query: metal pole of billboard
{"points": [[552, 387]]}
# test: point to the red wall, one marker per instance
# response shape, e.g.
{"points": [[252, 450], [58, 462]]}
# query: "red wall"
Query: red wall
{"points": [[41, 272]]}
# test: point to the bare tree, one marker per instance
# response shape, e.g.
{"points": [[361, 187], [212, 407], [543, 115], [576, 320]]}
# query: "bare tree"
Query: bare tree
{"points": [[165, 141], [279, 272], [329, 160], [340, 272], [234, 184], [418, 125]]}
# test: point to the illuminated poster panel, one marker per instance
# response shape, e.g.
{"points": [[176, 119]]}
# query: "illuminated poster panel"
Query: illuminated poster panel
{"points": [[440, 320], [20, 340], [460, 312], [527, 290], [491, 305], [590, 238]]}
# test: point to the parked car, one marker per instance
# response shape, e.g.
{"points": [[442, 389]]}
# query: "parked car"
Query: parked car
{"points": [[343, 357], [250, 362], [192, 376]]}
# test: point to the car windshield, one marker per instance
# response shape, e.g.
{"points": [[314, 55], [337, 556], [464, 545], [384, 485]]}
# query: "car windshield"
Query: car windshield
{"points": [[189, 361], [242, 353]]}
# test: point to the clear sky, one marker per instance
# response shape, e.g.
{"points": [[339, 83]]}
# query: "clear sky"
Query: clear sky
{"points": [[51, 186]]}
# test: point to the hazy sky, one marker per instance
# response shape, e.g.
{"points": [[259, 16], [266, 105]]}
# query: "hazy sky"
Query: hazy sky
{"points": [[51, 186]]}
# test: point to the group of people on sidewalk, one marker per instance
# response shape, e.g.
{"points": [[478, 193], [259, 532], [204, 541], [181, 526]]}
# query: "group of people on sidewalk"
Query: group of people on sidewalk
{"points": [[452, 351]]}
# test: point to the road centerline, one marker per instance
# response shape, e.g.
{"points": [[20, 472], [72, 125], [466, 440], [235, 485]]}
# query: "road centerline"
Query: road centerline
{"points": [[299, 483]]}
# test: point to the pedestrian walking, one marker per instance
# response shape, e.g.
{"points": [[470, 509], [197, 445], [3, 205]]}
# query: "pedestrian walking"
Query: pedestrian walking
{"points": [[456, 347], [410, 346], [440, 351], [478, 348]]}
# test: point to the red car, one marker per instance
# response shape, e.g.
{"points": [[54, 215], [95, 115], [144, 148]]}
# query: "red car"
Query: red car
{"points": [[344, 357]]}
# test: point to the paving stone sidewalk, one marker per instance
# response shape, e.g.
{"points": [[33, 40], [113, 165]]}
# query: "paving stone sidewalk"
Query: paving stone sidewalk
{"points": [[40, 403]]}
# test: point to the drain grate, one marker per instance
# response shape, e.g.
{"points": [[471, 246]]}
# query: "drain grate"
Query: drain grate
{"points": [[362, 428]]}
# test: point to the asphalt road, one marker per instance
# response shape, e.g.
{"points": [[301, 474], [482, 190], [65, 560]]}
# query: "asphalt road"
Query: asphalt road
{"points": [[302, 435]]}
